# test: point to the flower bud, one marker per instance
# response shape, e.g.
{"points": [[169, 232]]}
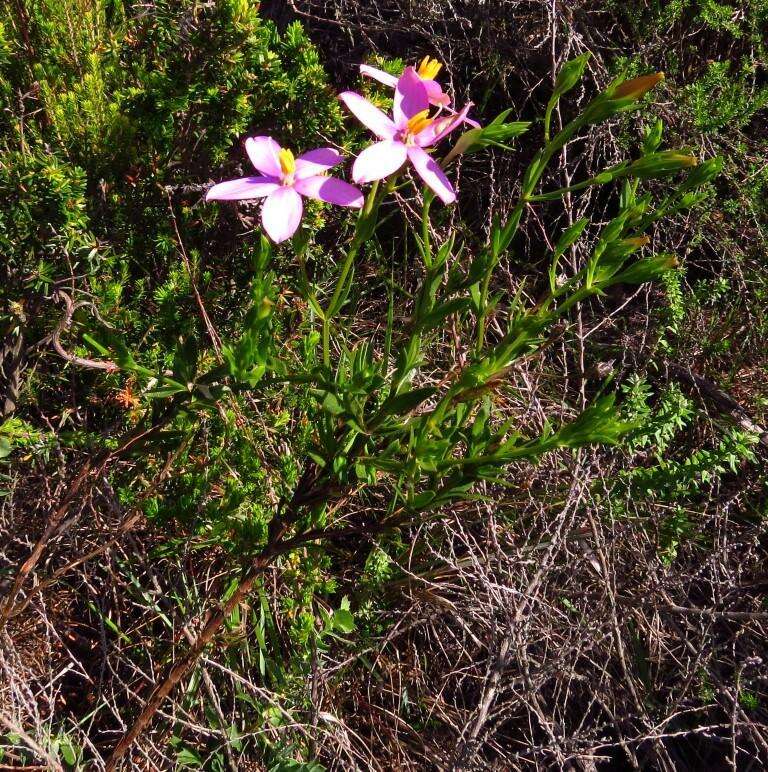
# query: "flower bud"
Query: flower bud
{"points": [[661, 164], [570, 74], [463, 144], [265, 308], [637, 87], [647, 269], [637, 241], [702, 174]]}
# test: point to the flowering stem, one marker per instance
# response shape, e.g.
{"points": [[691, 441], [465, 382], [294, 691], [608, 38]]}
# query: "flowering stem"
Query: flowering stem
{"points": [[553, 195], [511, 225], [530, 181], [364, 228], [429, 197]]}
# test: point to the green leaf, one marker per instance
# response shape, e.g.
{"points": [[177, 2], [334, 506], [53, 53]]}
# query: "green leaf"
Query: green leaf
{"points": [[646, 270], [95, 345], [68, 751], [330, 403], [437, 315], [168, 389], [494, 134], [186, 757], [401, 404], [185, 359], [702, 174], [600, 423], [570, 236], [316, 307], [652, 138], [343, 294], [570, 74], [343, 620]]}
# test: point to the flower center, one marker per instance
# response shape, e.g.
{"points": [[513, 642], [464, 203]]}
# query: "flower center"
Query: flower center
{"points": [[417, 123], [428, 68], [287, 163]]}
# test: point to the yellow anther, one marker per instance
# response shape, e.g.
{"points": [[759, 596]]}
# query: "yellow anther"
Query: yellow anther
{"points": [[419, 122], [287, 161], [428, 68]]}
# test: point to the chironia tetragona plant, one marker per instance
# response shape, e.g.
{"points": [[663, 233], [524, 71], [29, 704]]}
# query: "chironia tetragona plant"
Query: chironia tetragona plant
{"points": [[380, 424]]}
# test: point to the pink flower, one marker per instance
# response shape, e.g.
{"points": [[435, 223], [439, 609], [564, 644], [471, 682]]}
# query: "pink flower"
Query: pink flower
{"points": [[427, 72], [404, 136], [286, 179]]}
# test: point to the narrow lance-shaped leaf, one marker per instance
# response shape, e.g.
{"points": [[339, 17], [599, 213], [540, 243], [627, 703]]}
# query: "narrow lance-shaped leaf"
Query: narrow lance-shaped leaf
{"points": [[441, 312], [402, 404], [646, 270], [570, 74], [567, 239], [702, 174], [498, 132]]}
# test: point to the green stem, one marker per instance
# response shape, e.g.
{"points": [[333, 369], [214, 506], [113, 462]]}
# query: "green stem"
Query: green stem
{"points": [[555, 194], [532, 177], [428, 199], [362, 230], [512, 222]]}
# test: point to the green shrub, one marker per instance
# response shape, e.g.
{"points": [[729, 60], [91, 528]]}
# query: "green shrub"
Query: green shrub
{"points": [[672, 473], [122, 109]]}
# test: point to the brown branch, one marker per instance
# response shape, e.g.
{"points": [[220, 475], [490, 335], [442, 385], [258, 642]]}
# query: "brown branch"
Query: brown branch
{"points": [[188, 661], [277, 546], [92, 468], [738, 616], [134, 516], [66, 322], [723, 401], [304, 492], [54, 522], [185, 190]]}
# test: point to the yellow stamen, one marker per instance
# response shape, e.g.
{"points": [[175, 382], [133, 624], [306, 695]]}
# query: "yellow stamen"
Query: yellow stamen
{"points": [[428, 68], [287, 161], [419, 122]]}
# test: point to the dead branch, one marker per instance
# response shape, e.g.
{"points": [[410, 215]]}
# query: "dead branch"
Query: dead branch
{"points": [[713, 394], [64, 325]]}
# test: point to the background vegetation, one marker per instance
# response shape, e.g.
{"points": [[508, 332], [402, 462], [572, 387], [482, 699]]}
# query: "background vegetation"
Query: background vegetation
{"points": [[605, 608]]}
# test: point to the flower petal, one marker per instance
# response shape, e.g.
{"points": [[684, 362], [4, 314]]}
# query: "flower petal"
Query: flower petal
{"points": [[410, 97], [442, 127], [263, 152], [379, 75], [281, 214], [369, 115], [317, 161], [244, 188], [432, 174], [330, 190], [435, 93], [378, 161]]}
